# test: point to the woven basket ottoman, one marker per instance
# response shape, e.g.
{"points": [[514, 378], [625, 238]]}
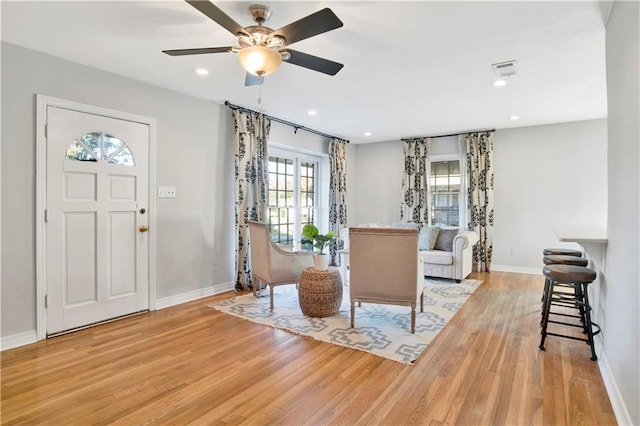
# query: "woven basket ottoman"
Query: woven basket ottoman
{"points": [[320, 292]]}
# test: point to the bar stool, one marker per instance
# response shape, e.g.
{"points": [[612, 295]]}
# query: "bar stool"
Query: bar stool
{"points": [[578, 277], [561, 251], [558, 252], [560, 259]]}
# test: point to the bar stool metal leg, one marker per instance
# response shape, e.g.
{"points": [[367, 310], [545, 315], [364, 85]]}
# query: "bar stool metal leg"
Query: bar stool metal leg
{"points": [[588, 324]]}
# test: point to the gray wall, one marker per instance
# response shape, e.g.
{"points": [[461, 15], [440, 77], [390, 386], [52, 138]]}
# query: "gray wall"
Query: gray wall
{"points": [[301, 140], [622, 335], [378, 177], [194, 236], [544, 176]]}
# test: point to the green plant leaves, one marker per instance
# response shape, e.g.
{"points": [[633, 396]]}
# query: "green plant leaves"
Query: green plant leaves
{"points": [[310, 232]]}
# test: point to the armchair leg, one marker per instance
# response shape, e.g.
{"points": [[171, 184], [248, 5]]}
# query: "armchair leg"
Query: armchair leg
{"points": [[353, 312], [270, 297], [413, 318], [422, 301]]}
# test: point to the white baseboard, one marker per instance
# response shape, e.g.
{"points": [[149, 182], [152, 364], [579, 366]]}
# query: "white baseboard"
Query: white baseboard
{"points": [[189, 296], [615, 396], [20, 339], [517, 269]]}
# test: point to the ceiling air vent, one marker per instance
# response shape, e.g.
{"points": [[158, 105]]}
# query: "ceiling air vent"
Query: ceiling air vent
{"points": [[505, 69]]}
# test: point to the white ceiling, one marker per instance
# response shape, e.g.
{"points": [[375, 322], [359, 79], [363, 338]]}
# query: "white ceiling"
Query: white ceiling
{"points": [[411, 68]]}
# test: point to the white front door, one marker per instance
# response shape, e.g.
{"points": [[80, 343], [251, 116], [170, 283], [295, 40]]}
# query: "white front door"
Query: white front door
{"points": [[97, 245]]}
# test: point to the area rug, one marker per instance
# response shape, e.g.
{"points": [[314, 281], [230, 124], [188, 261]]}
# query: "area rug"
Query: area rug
{"points": [[383, 330]]}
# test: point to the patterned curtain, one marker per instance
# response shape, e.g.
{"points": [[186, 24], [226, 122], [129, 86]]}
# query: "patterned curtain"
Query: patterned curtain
{"points": [[337, 191], [415, 201], [479, 148], [251, 174]]}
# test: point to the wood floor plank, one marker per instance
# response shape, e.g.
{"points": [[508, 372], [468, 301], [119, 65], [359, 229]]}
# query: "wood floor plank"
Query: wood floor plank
{"points": [[191, 364]]}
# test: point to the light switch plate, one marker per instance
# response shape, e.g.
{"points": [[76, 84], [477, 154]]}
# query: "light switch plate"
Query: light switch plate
{"points": [[166, 192]]}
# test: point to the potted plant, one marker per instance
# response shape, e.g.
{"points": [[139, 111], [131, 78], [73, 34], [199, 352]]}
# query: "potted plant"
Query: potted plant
{"points": [[319, 241]]}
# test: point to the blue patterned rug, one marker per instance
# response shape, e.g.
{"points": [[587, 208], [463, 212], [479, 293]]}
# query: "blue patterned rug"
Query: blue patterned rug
{"points": [[383, 330]]}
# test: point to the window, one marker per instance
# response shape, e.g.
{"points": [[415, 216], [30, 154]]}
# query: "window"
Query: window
{"points": [[97, 146], [445, 193], [293, 195]]}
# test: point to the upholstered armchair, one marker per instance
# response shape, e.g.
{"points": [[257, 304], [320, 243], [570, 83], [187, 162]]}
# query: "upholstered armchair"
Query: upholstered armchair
{"points": [[385, 268], [270, 264]]}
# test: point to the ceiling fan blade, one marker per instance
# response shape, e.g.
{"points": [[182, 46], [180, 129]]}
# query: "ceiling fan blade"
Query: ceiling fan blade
{"points": [[253, 80], [214, 13], [313, 62], [317, 23], [200, 51]]}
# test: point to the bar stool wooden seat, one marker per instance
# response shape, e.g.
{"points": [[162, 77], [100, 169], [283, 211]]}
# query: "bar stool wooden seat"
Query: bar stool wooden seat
{"points": [[578, 278], [561, 251], [564, 259]]}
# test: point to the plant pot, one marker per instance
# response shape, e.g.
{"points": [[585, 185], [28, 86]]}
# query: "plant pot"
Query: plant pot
{"points": [[321, 262]]}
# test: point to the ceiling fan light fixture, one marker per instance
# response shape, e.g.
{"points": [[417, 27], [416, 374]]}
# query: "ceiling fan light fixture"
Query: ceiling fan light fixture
{"points": [[259, 60]]}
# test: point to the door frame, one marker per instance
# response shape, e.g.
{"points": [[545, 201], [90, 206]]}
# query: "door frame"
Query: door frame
{"points": [[42, 103]]}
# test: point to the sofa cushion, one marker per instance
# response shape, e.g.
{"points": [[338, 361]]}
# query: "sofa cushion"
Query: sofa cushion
{"points": [[437, 256], [445, 239], [427, 237]]}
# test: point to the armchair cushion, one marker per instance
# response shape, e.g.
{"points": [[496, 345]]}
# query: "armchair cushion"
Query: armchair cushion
{"points": [[438, 257]]}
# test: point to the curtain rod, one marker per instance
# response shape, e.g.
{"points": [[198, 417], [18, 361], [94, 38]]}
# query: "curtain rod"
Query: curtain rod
{"points": [[452, 134], [288, 123]]}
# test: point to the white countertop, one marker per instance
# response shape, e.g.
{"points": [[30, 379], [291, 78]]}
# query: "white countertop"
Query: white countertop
{"points": [[581, 233]]}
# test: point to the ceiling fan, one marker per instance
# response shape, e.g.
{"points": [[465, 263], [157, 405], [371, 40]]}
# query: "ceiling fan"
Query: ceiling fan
{"points": [[263, 49]]}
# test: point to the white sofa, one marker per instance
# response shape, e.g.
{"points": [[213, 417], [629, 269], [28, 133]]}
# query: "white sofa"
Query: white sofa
{"points": [[454, 264]]}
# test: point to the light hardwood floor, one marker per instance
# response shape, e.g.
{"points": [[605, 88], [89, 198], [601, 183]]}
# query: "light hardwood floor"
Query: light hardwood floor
{"points": [[193, 364]]}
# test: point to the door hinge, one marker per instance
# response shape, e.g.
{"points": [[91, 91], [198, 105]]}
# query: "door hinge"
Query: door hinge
{"points": [[46, 301], [46, 216]]}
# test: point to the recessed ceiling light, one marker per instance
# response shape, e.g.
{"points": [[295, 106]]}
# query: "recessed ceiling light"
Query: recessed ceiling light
{"points": [[312, 112], [201, 71], [367, 134], [499, 83], [514, 117]]}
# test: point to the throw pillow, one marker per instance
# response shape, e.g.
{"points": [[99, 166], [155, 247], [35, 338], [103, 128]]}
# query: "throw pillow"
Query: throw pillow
{"points": [[445, 239], [427, 237]]}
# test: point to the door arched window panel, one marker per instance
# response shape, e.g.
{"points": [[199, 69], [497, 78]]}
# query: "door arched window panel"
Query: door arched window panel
{"points": [[111, 145], [100, 146]]}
